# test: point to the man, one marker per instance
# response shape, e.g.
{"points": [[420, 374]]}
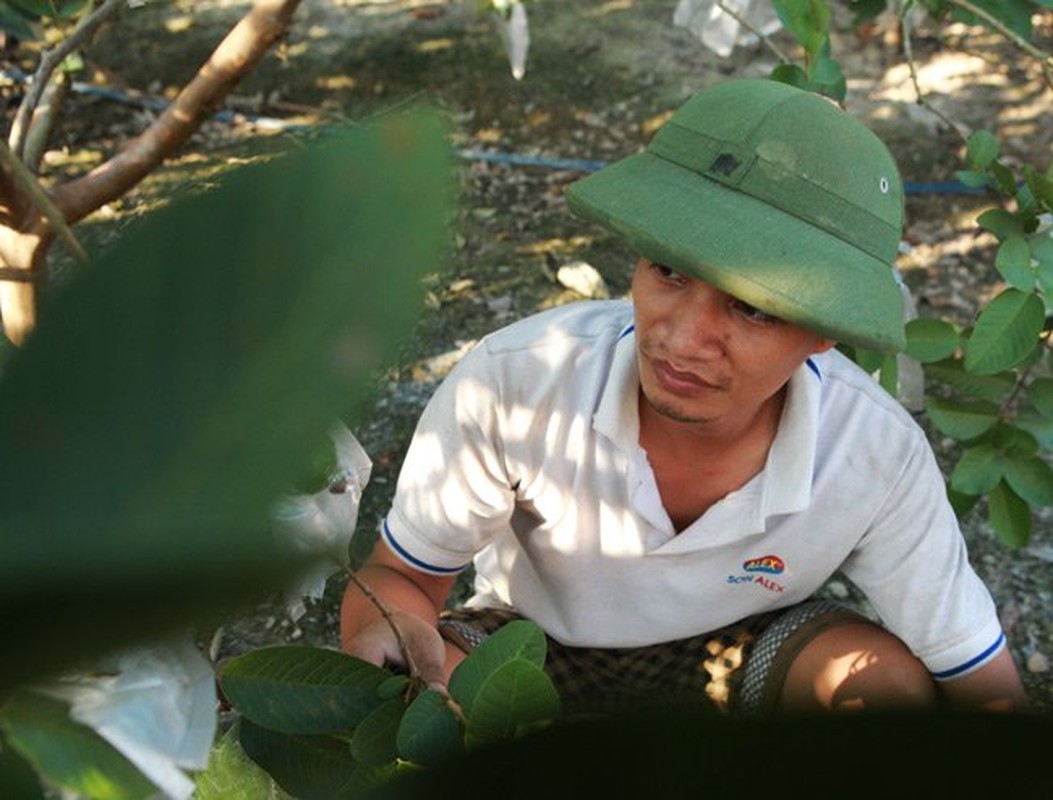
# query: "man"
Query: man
{"points": [[663, 486]]}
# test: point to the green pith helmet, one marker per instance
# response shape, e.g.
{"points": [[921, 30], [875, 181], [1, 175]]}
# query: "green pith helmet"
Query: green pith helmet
{"points": [[775, 196]]}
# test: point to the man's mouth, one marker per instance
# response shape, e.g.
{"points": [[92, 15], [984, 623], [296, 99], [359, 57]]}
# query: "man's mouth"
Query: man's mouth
{"points": [[680, 381]]}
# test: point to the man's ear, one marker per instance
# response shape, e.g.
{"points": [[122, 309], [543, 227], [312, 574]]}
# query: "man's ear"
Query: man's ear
{"points": [[823, 345]]}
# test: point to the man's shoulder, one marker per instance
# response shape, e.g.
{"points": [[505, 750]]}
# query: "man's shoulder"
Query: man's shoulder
{"points": [[570, 325], [847, 385]]}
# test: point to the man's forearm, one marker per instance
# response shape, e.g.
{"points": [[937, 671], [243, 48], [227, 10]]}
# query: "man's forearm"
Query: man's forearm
{"points": [[391, 586], [996, 686]]}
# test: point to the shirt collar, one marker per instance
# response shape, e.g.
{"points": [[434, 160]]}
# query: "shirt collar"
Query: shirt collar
{"points": [[792, 454], [617, 416]]}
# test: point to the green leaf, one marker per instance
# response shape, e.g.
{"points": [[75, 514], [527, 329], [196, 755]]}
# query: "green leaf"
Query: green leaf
{"points": [[978, 471], [888, 376], [429, 733], [1042, 252], [16, 24], [972, 180], [1001, 223], [981, 150], [230, 774], [930, 339], [951, 372], [373, 742], [68, 753], [1013, 261], [825, 75], [1006, 332], [516, 697], [1014, 14], [519, 639], [1013, 441], [1041, 187], [1031, 479], [323, 467], [203, 359], [1038, 426], [961, 502], [807, 20], [18, 779], [394, 686], [1009, 516], [870, 361], [962, 421], [1040, 393], [302, 690], [1005, 180], [310, 767], [790, 74], [866, 11]]}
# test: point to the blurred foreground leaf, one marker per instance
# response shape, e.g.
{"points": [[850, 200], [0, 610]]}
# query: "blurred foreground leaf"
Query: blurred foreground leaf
{"points": [[174, 389], [71, 754]]}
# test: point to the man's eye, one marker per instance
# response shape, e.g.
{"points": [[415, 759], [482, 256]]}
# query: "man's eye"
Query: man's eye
{"points": [[753, 314], [665, 272]]}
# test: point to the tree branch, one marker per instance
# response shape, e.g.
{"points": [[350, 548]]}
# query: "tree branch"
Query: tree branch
{"points": [[1045, 60], [25, 184], [919, 97], [407, 654], [759, 34], [247, 42], [49, 62]]}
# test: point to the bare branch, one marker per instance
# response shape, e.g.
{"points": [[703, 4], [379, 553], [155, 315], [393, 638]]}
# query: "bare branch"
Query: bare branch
{"points": [[235, 56], [407, 654], [759, 34], [26, 185], [919, 97], [49, 62], [1045, 60], [43, 121]]}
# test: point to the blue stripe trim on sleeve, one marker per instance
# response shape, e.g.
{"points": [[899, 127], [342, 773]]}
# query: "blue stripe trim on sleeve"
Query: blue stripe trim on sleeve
{"points": [[950, 673], [626, 332], [389, 537]]}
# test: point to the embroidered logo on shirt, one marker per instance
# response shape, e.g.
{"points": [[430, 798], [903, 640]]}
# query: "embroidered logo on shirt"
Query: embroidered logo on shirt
{"points": [[757, 570], [770, 564]]}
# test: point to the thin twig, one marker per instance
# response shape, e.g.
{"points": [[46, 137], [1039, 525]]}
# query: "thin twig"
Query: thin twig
{"points": [[411, 665], [919, 96], [759, 34], [28, 185], [49, 62], [1044, 59], [1005, 413]]}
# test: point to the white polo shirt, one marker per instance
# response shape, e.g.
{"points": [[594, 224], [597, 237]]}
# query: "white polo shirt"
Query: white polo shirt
{"points": [[527, 462]]}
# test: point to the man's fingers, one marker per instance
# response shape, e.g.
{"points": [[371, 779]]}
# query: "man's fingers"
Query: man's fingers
{"points": [[379, 645]]}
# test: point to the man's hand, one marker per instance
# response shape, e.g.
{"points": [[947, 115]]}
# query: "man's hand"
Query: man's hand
{"points": [[387, 589], [379, 644]]}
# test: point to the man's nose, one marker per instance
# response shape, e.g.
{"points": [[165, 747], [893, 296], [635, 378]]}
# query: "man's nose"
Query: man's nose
{"points": [[702, 325]]}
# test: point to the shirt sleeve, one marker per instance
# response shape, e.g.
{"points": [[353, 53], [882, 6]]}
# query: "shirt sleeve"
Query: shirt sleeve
{"points": [[913, 566], [453, 495]]}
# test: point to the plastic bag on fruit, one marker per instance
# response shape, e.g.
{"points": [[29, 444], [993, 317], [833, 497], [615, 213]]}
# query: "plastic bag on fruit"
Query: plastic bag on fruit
{"points": [[321, 524], [155, 704], [719, 23]]}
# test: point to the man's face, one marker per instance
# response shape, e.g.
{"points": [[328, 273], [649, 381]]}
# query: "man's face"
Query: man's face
{"points": [[705, 356]]}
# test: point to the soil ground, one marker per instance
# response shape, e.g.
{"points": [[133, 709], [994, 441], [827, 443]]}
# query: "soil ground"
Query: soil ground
{"points": [[600, 77]]}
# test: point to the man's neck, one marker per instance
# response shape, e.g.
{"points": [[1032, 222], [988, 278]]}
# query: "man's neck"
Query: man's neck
{"points": [[698, 463]]}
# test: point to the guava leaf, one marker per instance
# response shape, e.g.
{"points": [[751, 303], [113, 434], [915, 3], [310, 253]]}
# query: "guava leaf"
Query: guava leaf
{"points": [[302, 690]]}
